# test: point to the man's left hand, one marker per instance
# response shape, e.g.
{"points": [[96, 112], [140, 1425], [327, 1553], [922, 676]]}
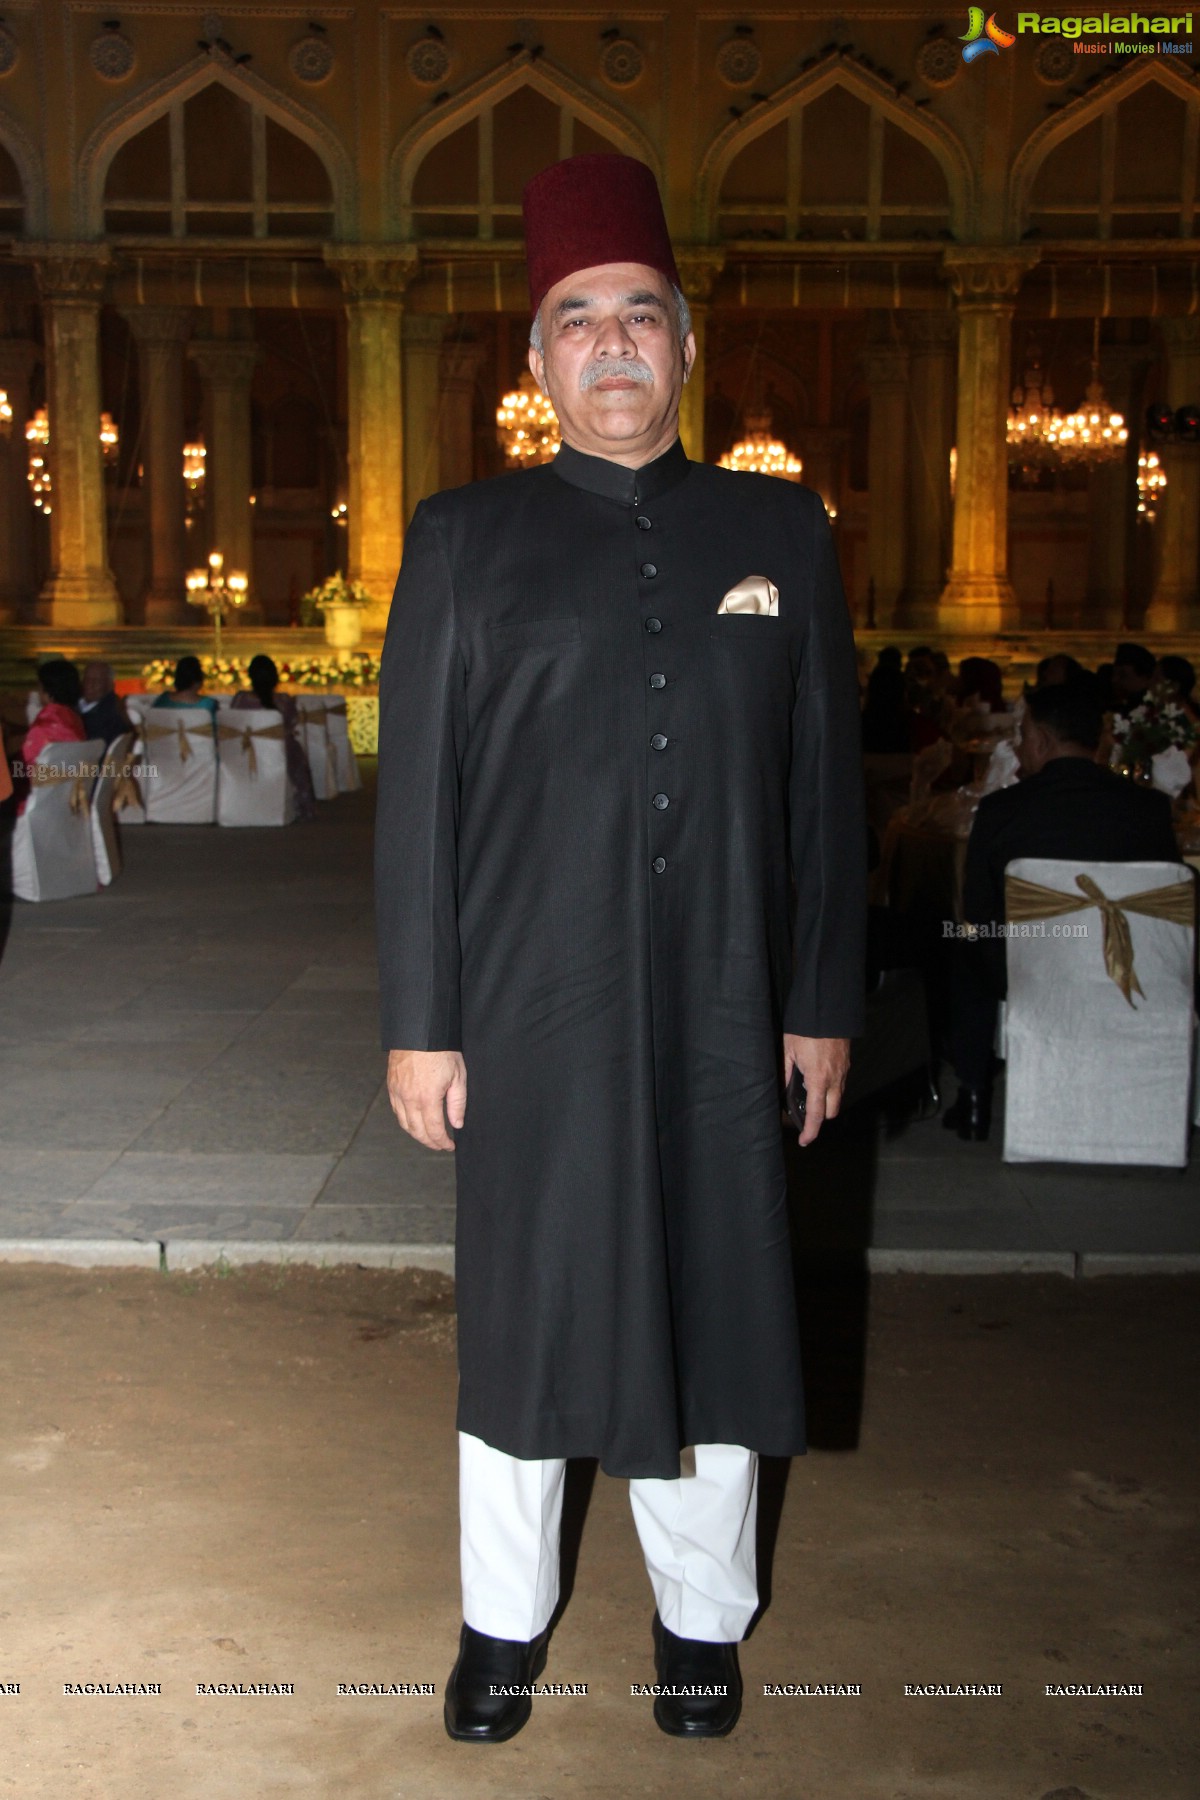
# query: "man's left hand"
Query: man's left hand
{"points": [[824, 1063]]}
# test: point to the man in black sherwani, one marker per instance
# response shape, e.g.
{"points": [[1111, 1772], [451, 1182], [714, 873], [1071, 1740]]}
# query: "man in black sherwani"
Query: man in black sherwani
{"points": [[620, 889]]}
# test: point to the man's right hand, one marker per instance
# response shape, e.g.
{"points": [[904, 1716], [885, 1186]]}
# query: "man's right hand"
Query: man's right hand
{"points": [[425, 1088]]}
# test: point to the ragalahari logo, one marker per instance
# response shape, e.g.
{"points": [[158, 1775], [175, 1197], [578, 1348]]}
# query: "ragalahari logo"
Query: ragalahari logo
{"points": [[983, 37]]}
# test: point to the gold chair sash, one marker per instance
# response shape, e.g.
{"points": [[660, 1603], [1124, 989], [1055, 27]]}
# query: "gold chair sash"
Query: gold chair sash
{"points": [[1175, 904], [247, 734], [47, 775], [162, 728], [125, 790]]}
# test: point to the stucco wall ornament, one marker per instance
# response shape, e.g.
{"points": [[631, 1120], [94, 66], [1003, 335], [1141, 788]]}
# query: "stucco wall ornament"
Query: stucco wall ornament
{"points": [[311, 59], [938, 61], [621, 63], [428, 61], [9, 51], [111, 54], [739, 60], [1054, 63]]}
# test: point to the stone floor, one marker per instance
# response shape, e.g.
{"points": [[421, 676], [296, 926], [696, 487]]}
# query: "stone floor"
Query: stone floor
{"points": [[189, 1067]]}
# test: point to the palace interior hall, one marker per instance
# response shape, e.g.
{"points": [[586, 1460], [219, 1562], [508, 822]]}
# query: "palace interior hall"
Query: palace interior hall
{"points": [[297, 246], [263, 293]]}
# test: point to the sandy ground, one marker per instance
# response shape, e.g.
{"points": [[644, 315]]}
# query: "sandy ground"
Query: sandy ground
{"points": [[249, 1477]]}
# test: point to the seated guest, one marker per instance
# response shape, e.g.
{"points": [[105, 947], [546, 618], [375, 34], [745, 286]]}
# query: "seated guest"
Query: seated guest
{"points": [[1052, 671], [924, 699], [101, 708], [265, 697], [1065, 805], [885, 719], [57, 720], [980, 684], [189, 679], [1179, 678], [1131, 674]]}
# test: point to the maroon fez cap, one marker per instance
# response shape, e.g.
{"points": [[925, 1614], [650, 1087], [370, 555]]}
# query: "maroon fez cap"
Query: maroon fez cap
{"points": [[591, 210]]}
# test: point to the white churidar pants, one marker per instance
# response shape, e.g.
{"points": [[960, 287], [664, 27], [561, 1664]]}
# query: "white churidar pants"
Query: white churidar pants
{"points": [[697, 1535]]}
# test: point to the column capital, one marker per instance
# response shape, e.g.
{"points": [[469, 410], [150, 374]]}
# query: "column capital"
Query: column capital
{"points": [[425, 329], [70, 273], [461, 363], [930, 332], [699, 265], [985, 274], [158, 324], [885, 365], [224, 362], [373, 271]]}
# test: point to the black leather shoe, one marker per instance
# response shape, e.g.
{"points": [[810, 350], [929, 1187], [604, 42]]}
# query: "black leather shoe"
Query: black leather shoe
{"points": [[970, 1115], [474, 1712], [711, 1669]]}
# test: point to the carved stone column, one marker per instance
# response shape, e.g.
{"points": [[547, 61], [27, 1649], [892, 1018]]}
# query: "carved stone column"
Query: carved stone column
{"points": [[698, 265], [932, 338], [374, 278], [423, 334], [227, 366], [979, 595], [1112, 496], [1175, 601], [80, 591], [461, 363], [159, 332], [17, 359], [885, 365]]}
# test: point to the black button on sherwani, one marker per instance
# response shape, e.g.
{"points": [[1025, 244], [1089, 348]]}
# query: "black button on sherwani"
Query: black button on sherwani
{"points": [[614, 865]]}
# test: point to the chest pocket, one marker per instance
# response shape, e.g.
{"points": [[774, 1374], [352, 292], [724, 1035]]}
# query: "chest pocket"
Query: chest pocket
{"points": [[534, 634], [748, 628]]}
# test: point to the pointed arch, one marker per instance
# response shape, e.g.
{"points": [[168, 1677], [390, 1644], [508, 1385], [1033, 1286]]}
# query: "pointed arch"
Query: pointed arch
{"points": [[1103, 99], [575, 102], [27, 158], [157, 101], [836, 70]]}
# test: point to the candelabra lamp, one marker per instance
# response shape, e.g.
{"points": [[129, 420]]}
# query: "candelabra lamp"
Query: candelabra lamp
{"points": [[217, 592]]}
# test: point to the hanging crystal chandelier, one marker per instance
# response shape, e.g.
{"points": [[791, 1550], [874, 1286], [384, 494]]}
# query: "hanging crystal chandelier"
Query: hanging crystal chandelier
{"points": [[37, 436], [758, 453], [6, 413], [1095, 433], [1034, 425], [1151, 480], [527, 425], [110, 439]]}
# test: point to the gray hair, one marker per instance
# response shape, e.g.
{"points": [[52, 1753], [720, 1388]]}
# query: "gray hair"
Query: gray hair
{"points": [[683, 321]]}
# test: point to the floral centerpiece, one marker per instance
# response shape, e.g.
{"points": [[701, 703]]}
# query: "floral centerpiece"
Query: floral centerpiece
{"points": [[333, 592], [1156, 723]]}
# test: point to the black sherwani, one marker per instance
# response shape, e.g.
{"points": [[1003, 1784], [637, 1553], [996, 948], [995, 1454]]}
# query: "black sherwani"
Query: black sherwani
{"points": [[594, 791]]}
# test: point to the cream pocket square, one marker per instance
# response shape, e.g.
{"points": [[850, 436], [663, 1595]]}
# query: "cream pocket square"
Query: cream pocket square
{"points": [[753, 594]]}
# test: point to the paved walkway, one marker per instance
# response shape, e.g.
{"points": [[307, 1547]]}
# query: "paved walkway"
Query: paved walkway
{"points": [[189, 1069]]}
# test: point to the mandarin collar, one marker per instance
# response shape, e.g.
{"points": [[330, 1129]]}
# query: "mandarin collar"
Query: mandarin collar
{"points": [[613, 481]]}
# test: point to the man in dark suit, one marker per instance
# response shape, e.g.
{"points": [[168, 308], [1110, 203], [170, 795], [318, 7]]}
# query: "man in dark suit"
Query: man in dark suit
{"points": [[619, 719], [1065, 805]]}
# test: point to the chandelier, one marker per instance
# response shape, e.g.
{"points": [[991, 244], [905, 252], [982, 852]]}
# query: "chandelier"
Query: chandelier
{"points": [[527, 426], [193, 479], [340, 514], [758, 453], [6, 413], [1095, 433], [37, 436], [1035, 425], [1151, 480]]}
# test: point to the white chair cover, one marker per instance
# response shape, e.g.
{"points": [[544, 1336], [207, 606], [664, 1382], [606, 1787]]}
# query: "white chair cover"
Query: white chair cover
{"points": [[1090, 1077], [33, 705], [338, 726], [318, 745], [114, 789], [52, 853], [252, 781], [179, 764]]}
